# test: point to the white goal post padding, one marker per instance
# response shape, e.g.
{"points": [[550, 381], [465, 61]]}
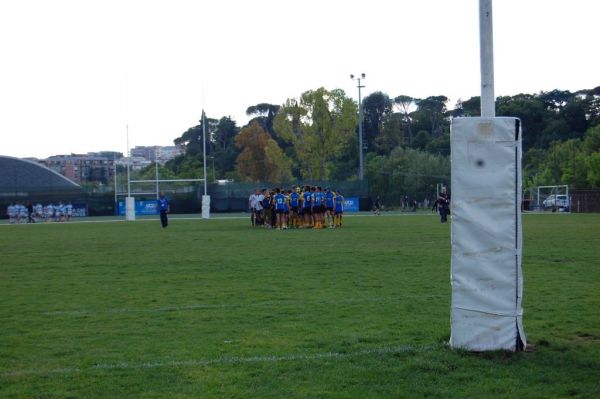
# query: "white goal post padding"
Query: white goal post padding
{"points": [[486, 276], [206, 207]]}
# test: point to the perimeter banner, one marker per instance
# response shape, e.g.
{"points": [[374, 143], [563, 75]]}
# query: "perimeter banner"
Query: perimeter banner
{"points": [[351, 204], [141, 208]]}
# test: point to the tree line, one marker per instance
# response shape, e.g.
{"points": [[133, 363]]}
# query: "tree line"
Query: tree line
{"points": [[406, 140]]}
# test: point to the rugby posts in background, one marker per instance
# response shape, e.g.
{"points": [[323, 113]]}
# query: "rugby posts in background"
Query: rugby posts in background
{"points": [[486, 276]]}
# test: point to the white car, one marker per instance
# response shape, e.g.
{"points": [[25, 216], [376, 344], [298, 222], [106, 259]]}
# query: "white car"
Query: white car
{"points": [[556, 200]]}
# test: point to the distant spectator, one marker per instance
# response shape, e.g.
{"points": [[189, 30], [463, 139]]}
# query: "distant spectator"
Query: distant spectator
{"points": [[377, 206]]}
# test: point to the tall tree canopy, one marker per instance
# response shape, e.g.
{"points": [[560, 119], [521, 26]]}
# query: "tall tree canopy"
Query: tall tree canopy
{"points": [[320, 127], [377, 107], [315, 136], [260, 158]]}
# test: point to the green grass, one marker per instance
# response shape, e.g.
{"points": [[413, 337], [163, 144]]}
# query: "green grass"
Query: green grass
{"points": [[215, 309]]}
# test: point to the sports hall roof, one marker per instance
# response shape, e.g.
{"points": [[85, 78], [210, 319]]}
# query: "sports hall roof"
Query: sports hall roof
{"points": [[24, 176]]}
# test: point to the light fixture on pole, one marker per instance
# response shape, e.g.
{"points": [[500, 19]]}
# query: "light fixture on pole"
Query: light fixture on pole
{"points": [[360, 125]]}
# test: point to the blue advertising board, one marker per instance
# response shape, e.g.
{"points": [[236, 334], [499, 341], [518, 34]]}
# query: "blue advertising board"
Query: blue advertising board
{"points": [[351, 204], [141, 208]]}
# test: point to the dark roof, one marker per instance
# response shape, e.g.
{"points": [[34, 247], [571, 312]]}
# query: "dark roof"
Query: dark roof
{"points": [[23, 176]]}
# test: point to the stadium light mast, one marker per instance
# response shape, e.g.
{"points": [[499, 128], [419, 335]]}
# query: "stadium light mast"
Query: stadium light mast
{"points": [[205, 197], [156, 169], [360, 126], [129, 201], [128, 163], [115, 179], [204, 148]]}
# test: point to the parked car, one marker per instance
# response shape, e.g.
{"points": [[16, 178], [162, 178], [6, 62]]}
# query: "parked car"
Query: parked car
{"points": [[556, 201]]}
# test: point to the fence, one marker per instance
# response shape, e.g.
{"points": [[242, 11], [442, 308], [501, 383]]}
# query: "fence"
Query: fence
{"points": [[585, 200]]}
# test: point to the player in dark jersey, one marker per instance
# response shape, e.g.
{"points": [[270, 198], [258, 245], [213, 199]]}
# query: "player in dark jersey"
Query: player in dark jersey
{"points": [[339, 208], [286, 210]]}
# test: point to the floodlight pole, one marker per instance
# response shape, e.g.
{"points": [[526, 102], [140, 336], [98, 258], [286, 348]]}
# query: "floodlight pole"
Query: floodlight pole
{"points": [[205, 197], [486, 53], [360, 126], [128, 163], [115, 179], [129, 201], [156, 169], [204, 148]]}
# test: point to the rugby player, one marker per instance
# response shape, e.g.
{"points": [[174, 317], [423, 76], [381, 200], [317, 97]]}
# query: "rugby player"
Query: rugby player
{"points": [[294, 207], [339, 208], [329, 206], [307, 205], [318, 207]]}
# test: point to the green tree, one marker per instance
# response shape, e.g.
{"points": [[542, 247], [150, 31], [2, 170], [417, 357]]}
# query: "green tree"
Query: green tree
{"points": [[532, 113], [406, 171], [260, 158], [593, 170], [405, 106], [393, 133], [264, 114], [320, 127], [376, 108], [432, 111], [421, 140], [223, 149]]}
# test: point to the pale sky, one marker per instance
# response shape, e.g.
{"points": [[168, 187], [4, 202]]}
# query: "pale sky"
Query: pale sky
{"points": [[74, 74]]}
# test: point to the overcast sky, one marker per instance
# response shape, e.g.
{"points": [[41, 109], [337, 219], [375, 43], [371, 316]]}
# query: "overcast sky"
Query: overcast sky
{"points": [[74, 74]]}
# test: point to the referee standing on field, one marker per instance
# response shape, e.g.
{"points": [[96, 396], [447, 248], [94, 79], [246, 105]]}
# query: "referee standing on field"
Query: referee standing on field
{"points": [[163, 207]]}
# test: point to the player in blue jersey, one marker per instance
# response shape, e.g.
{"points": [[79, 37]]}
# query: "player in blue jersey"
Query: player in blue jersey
{"points": [[294, 207], [318, 207], [329, 206], [339, 208], [286, 214], [280, 202], [163, 207], [307, 206]]}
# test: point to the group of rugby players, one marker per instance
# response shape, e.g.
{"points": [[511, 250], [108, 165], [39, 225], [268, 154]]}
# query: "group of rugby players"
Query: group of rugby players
{"points": [[18, 213], [307, 207]]}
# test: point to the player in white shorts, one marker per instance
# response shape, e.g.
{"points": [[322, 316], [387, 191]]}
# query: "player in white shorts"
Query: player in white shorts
{"points": [[39, 211], [10, 211], [69, 211], [23, 214], [49, 212], [59, 212]]}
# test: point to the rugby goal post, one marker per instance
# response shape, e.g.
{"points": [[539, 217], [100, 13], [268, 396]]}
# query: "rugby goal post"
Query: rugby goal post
{"points": [[152, 187], [486, 232]]}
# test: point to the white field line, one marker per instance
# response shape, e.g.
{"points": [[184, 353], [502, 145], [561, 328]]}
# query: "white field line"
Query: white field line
{"points": [[206, 306], [224, 360], [175, 218]]}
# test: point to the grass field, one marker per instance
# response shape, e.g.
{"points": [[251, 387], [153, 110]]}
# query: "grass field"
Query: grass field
{"points": [[215, 309]]}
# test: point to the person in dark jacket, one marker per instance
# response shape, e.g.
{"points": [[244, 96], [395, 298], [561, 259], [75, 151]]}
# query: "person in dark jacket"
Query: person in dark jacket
{"points": [[163, 207], [443, 206]]}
